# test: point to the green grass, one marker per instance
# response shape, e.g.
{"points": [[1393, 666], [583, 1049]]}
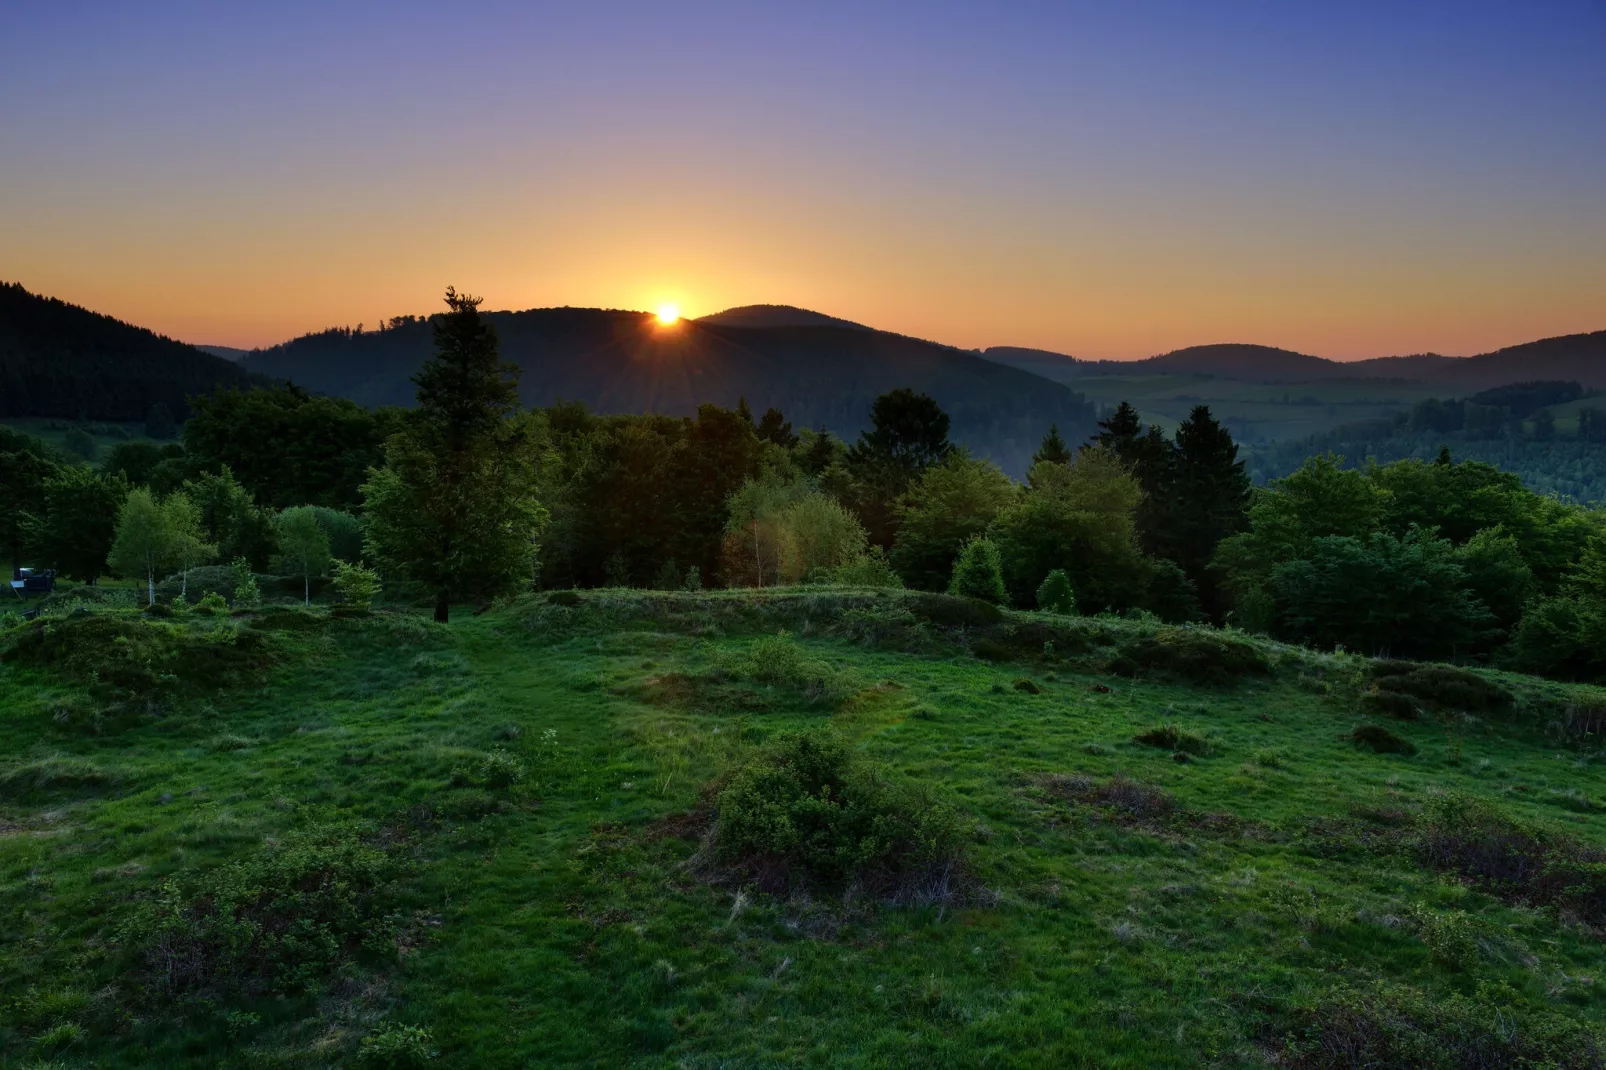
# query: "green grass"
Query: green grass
{"points": [[106, 434], [533, 782]]}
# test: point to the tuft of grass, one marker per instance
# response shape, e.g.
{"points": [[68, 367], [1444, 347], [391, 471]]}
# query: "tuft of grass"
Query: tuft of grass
{"points": [[1195, 655], [55, 774]]}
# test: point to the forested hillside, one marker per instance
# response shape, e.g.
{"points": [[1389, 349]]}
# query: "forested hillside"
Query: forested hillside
{"points": [[60, 360], [620, 362]]}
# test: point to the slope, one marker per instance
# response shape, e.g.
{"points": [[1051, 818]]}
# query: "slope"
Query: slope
{"points": [[535, 784], [617, 361], [59, 360]]}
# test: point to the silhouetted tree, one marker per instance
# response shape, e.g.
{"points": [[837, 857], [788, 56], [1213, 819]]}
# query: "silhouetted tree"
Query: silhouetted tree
{"points": [[1207, 499], [909, 433], [1053, 450], [454, 507], [73, 533], [775, 427]]}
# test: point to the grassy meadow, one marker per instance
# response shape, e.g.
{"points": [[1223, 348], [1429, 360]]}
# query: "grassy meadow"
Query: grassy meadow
{"points": [[287, 838]]}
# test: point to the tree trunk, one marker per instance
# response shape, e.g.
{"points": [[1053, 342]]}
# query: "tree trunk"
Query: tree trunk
{"points": [[442, 604], [150, 589], [184, 584], [306, 590]]}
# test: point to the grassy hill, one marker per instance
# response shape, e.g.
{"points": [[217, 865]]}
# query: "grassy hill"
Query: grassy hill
{"points": [[287, 838], [627, 362]]}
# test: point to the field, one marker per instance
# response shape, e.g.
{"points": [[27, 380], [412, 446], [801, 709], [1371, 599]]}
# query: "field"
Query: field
{"points": [[288, 838], [105, 434]]}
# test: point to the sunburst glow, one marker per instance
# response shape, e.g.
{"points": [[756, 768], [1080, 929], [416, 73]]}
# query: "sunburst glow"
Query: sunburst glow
{"points": [[668, 315]]}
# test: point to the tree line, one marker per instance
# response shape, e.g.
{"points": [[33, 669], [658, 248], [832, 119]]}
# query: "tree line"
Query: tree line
{"points": [[467, 497]]}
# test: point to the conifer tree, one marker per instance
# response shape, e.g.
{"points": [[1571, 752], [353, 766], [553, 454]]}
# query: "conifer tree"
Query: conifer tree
{"points": [[909, 434], [1208, 497], [454, 507], [1053, 450]]}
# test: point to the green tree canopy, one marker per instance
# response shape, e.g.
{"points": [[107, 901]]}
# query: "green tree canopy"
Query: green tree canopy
{"points": [[948, 505]]}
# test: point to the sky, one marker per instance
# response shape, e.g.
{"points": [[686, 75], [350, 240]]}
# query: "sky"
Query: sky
{"points": [[1109, 180]]}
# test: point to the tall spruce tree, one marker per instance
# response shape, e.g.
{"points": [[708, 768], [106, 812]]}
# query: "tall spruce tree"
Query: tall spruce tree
{"points": [[1053, 450], [1149, 456], [1207, 499], [454, 508], [908, 434]]}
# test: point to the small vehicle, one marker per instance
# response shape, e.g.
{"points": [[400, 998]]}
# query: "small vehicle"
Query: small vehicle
{"points": [[32, 582]]}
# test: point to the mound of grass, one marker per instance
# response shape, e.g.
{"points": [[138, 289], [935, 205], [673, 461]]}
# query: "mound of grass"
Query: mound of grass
{"points": [[1398, 1026], [1380, 740], [55, 775], [1029, 687], [1515, 859], [1402, 688], [809, 810], [124, 658], [1170, 737], [1192, 655], [281, 921], [288, 619], [205, 580], [1120, 794]]}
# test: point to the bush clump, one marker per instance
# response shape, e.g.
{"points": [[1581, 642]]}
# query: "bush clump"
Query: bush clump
{"points": [[1397, 685], [203, 580], [1510, 857], [1194, 655], [1380, 740], [808, 809], [1394, 1025], [1129, 798], [355, 585], [397, 1047], [281, 921], [979, 573], [1170, 737], [778, 660], [947, 611], [1054, 594]]}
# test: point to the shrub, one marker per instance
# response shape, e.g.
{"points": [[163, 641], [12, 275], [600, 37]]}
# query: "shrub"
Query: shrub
{"points": [[1451, 936], [979, 572], [809, 808], [1438, 687], [203, 580], [1170, 737], [213, 603], [1196, 655], [870, 569], [1380, 740], [500, 769], [778, 660], [1030, 687], [693, 580], [400, 1047], [281, 921], [1393, 1025], [1054, 594], [1511, 858], [356, 586], [246, 593]]}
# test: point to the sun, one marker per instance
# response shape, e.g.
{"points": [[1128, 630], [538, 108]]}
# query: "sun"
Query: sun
{"points": [[668, 315]]}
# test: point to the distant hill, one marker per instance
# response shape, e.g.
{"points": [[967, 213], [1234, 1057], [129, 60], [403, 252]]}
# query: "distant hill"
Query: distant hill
{"points": [[1576, 357], [226, 352], [59, 360], [776, 316], [626, 362]]}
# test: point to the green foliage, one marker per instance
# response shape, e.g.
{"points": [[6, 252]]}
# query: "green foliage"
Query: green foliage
{"points": [[872, 569], [780, 661], [246, 593], [1384, 595], [159, 422], [908, 434], [950, 504], [73, 532], [454, 508], [809, 808], [200, 582], [1440, 687], [288, 447], [81, 444], [280, 921], [356, 586], [500, 769], [303, 545], [148, 540], [397, 1047], [1079, 520], [26, 463], [1054, 594], [230, 520], [979, 573]]}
